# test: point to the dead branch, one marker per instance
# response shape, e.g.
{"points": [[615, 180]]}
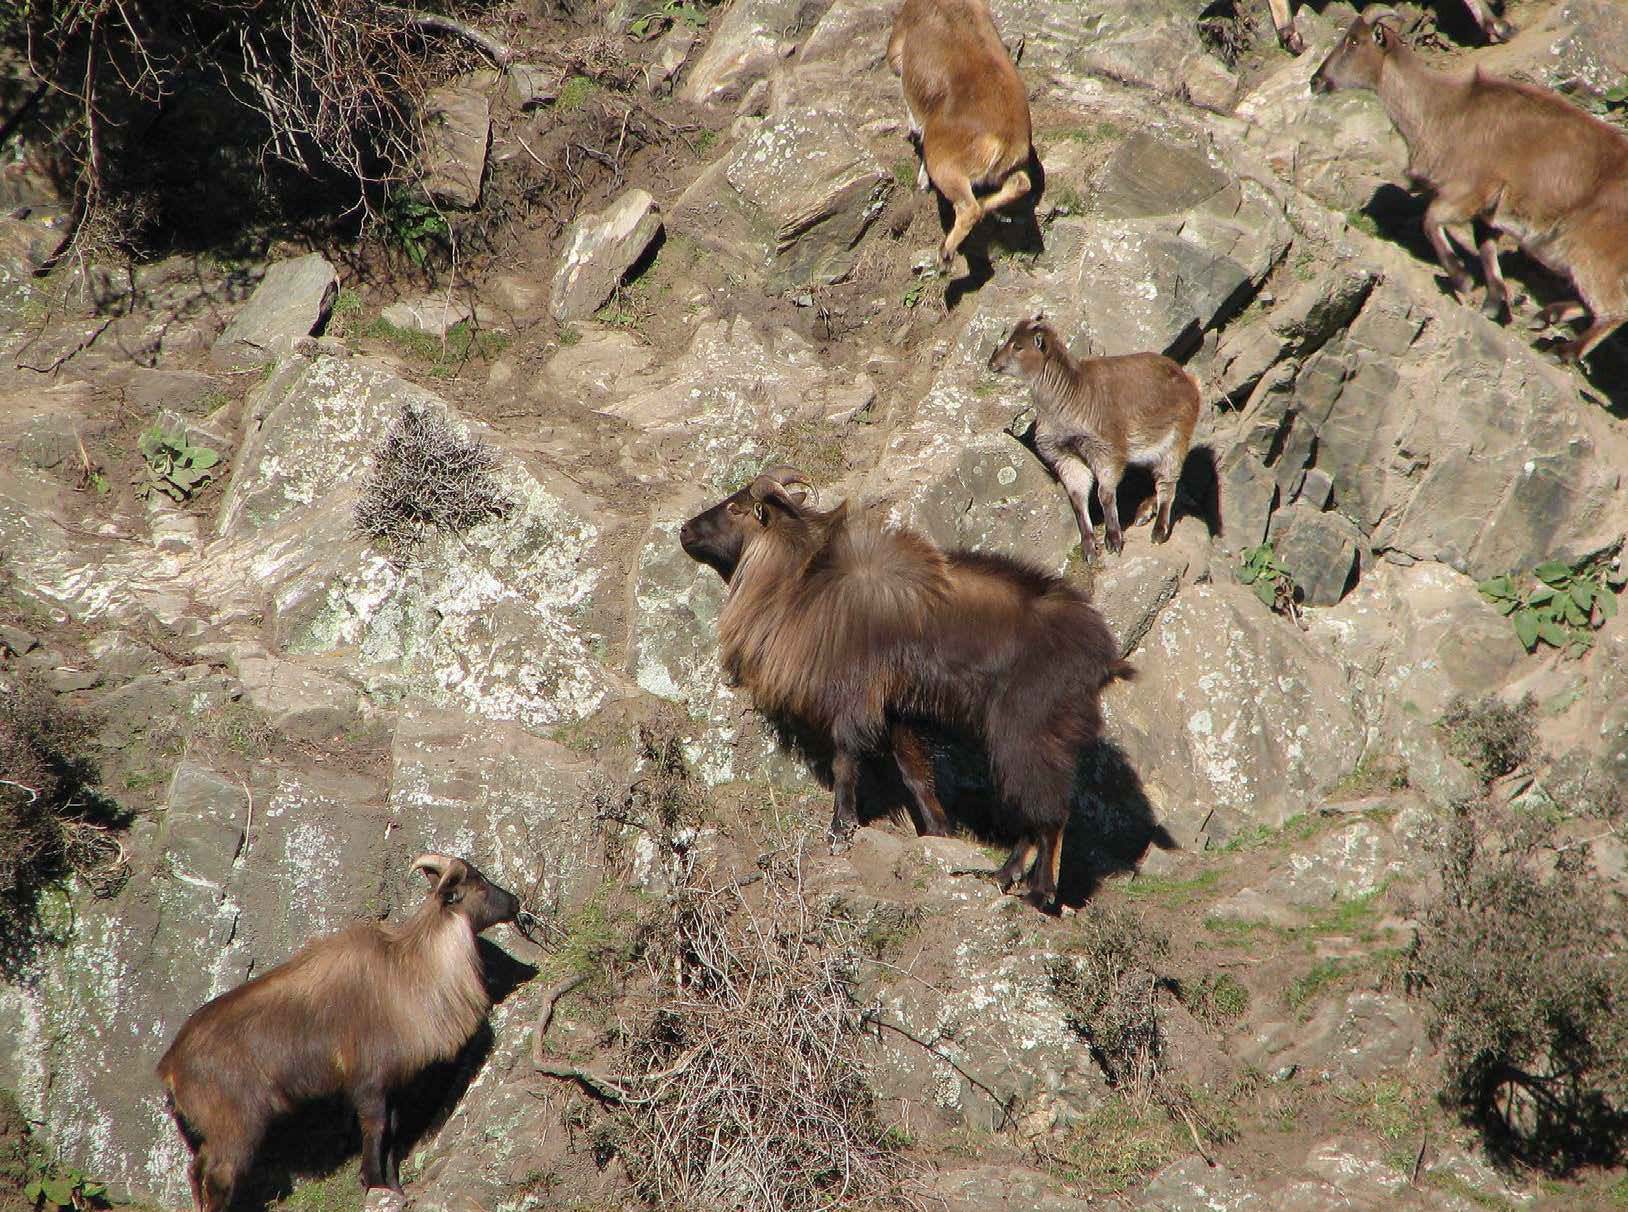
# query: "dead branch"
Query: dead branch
{"points": [[494, 50], [546, 1015]]}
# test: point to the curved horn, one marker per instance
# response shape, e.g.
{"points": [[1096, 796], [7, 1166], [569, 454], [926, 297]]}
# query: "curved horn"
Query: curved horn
{"points": [[431, 864], [1374, 16], [787, 475]]}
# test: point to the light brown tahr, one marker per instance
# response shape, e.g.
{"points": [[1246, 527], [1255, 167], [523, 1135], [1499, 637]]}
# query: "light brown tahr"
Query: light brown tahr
{"points": [[860, 641], [358, 1013], [967, 106], [1493, 28], [1097, 416], [1520, 158]]}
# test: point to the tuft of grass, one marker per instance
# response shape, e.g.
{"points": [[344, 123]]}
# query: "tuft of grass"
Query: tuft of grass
{"points": [[1218, 999], [1374, 774], [1449, 1183], [336, 1192], [239, 727], [1167, 890], [1114, 1147], [1363, 222], [574, 94], [444, 357], [345, 317], [1306, 990]]}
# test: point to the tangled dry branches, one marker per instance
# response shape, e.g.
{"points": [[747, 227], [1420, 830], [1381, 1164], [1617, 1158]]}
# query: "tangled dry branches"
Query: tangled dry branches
{"points": [[425, 477], [746, 1086]]}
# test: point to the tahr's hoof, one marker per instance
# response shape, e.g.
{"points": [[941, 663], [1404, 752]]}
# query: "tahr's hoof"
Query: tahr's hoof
{"points": [[1500, 31], [1291, 41]]}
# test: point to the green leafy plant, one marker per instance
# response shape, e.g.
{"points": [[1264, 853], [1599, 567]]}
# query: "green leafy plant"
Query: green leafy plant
{"points": [[175, 467], [1272, 583], [412, 225], [1561, 603], [64, 1187], [670, 13], [913, 293]]}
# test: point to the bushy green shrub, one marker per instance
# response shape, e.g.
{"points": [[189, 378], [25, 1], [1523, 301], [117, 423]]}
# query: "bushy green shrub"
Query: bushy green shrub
{"points": [[1522, 959]]}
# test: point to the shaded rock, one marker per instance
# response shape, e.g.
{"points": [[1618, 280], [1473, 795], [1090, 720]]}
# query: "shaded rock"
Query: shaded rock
{"points": [[1147, 176], [457, 130], [149, 389], [291, 301], [202, 829], [791, 201], [672, 53], [1321, 551], [1488, 466], [1248, 494], [527, 85], [1131, 593], [598, 250], [17, 641], [1297, 326]]}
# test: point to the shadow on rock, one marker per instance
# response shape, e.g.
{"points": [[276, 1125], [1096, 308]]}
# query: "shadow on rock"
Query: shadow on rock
{"points": [[1111, 827]]}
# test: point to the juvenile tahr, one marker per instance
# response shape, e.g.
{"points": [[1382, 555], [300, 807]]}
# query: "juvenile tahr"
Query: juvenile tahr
{"points": [[1094, 417], [967, 107]]}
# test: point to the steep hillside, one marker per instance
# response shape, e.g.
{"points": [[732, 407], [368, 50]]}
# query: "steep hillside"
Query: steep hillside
{"points": [[314, 560]]}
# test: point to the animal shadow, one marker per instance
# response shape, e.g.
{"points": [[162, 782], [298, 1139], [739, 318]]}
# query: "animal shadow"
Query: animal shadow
{"points": [[1011, 231], [322, 1139], [1111, 826]]}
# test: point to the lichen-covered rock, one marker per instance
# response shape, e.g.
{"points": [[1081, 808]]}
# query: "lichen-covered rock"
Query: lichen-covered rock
{"points": [[1233, 713], [458, 129], [746, 45], [791, 201]]}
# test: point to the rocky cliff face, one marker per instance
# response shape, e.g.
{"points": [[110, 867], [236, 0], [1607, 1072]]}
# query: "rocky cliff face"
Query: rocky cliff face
{"points": [[292, 715]]}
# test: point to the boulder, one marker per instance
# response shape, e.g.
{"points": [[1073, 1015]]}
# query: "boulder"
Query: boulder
{"points": [[598, 250], [291, 301]]}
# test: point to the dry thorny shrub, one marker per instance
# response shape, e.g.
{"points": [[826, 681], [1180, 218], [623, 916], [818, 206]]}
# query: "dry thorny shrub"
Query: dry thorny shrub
{"points": [[1524, 963], [746, 1084], [1490, 736], [52, 822], [740, 1077], [426, 476]]}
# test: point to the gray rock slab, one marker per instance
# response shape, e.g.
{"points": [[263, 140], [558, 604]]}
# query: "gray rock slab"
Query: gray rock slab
{"points": [[435, 315], [291, 301], [791, 201], [457, 130], [1321, 551], [598, 249]]}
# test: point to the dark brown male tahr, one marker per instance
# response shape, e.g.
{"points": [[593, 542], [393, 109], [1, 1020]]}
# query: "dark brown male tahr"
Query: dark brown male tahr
{"points": [[358, 1013], [866, 638], [1521, 159]]}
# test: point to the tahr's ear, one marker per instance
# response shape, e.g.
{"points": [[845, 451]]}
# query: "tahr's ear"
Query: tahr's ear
{"points": [[769, 493]]}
